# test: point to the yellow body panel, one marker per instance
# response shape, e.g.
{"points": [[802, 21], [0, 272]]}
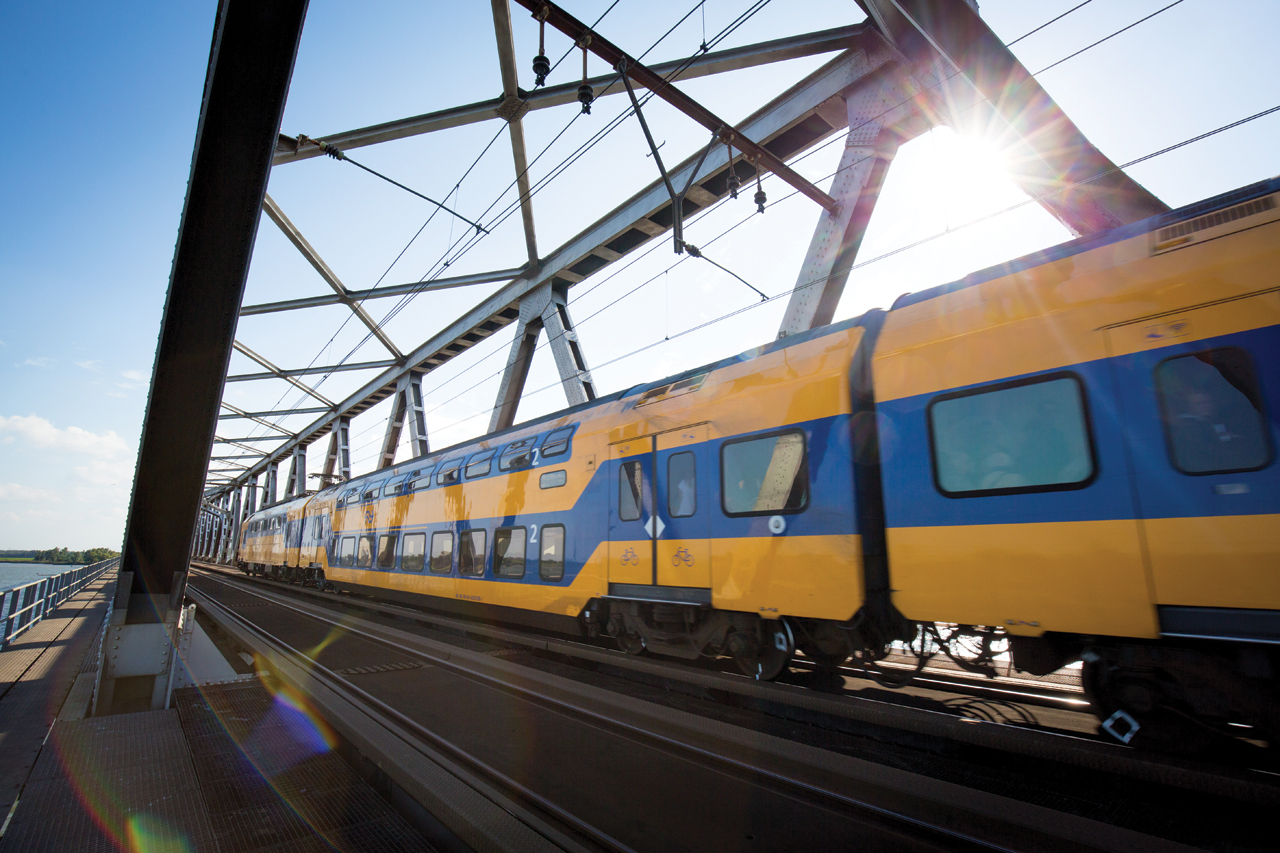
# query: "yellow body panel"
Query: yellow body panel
{"points": [[1082, 577], [1243, 571], [684, 562], [1238, 314], [818, 577], [1046, 317]]}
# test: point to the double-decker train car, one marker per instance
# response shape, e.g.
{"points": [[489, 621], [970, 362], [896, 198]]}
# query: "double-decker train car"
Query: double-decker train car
{"points": [[1072, 453]]}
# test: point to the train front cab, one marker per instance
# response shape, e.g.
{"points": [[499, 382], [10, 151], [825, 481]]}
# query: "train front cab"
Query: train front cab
{"points": [[1079, 448]]}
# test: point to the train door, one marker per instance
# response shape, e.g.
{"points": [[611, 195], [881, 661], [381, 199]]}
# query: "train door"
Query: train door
{"points": [[631, 512], [684, 502], [1199, 393]]}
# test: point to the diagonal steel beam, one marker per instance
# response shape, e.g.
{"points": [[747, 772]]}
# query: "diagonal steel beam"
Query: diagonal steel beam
{"points": [[382, 292], [241, 348], [308, 251], [719, 62], [758, 155], [312, 410], [242, 413], [512, 109], [304, 371]]}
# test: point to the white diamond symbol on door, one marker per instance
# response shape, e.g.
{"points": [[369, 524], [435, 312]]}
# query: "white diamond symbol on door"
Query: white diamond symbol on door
{"points": [[648, 527]]}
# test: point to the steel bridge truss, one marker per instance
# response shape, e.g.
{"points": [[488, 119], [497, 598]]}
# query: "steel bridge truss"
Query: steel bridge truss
{"points": [[914, 65]]}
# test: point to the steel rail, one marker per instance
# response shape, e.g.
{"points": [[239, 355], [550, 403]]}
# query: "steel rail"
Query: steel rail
{"points": [[1072, 830], [1044, 744]]}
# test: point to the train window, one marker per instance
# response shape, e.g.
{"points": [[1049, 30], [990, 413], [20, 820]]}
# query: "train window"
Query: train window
{"points": [[551, 563], [442, 552], [449, 473], [394, 487], [386, 551], [421, 480], [765, 475], [348, 554], [364, 552], [508, 552], [517, 455], [471, 547], [1212, 409], [682, 485], [557, 441], [1022, 436], [349, 496], [370, 493], [630, 483], [480, 464], [553, 479], [411, 557]]}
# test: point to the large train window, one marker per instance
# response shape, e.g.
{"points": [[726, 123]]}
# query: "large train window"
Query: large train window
{"points": [[449, 473], [557, 441], [471, 548], [682, 485], [508, 552], [1212, 411], [551, 563], [765, 475], [347, 555], [411, 557], [630, 483], [480, 464], [442, 552], [518, 454], [386, 551], [394, 487], [1014, 437], [364, 552]]}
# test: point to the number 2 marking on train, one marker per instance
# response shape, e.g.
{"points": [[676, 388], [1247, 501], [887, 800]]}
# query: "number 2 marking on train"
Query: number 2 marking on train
{"points": [[533, 533], [535, 458]]}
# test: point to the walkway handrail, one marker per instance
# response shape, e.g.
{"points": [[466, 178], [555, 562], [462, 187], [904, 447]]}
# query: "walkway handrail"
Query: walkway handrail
{"points": [[24, 606]]}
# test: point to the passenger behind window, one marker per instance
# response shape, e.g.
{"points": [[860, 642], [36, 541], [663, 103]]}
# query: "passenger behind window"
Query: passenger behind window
{"points": [[1212, 410]]}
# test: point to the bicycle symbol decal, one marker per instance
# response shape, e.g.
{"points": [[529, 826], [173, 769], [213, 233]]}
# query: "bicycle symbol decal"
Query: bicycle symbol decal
{"points": [[682, 556], [630, 558]]}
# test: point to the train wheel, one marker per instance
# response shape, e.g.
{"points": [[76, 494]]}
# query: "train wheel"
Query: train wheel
{"points": [[766, 656]]}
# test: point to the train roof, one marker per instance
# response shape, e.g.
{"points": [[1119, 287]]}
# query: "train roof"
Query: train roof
{"points": [[1093, 241]]}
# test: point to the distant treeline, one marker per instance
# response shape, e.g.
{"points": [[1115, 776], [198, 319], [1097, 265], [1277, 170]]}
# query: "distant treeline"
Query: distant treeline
{"points": [[20, 554], [62, 555]]}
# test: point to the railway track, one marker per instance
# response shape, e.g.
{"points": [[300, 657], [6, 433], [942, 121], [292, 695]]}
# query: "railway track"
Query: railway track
{"points": [[609, 772]]}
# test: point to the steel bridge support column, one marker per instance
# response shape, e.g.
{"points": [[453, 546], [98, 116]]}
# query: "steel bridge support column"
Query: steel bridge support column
{"points": [[247, 79], [237, 519], [251, 503], [545, 307], [337, 464], [297, 482], [273, 471], [869, 148], [406, 407]]}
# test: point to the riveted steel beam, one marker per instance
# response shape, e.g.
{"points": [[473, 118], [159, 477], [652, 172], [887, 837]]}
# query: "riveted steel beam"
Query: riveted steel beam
{"points": [[513, 109], [274, 413], [331, 278], [280, 374], [382, 292], [717, 62], [760, 156], [406, 408]]}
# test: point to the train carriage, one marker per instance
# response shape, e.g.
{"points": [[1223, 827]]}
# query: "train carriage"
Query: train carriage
{"points": [[1074, 451]]}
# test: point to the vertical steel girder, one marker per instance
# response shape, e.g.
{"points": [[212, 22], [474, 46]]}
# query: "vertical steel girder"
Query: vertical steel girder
{"points": [[406, 407], [337, 462], [544, 308], [296, 485], [250, 64], [313, 257], [869, 149], [237, 519], [513, 109], [252, 503], [273, 470]]}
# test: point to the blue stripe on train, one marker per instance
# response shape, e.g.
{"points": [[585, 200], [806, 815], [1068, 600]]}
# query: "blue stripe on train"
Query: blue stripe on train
{"points": [[912, 500]]}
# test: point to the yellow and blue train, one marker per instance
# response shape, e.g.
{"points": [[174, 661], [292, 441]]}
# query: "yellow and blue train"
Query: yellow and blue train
{"points": [[1072, 454]]}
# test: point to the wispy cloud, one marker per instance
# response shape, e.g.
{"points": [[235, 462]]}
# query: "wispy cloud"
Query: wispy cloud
{"points": [[92, 364], [18, 492], [42, 361], [38, 432], [134, 375]]}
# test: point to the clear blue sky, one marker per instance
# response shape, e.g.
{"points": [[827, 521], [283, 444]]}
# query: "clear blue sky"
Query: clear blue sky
{"points": [[100, 107]]}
